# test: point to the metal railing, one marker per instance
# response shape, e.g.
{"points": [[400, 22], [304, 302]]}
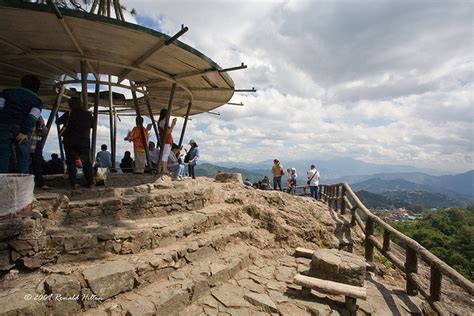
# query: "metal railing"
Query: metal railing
{"points": [[340, 197]]}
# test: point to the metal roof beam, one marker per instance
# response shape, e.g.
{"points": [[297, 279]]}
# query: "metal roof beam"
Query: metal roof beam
{"points": [[207, 71], [140, 61]]}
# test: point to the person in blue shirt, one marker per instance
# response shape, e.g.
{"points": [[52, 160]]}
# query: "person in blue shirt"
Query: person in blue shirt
{"points": [[193, 157], [19, 110], [103, 158]]}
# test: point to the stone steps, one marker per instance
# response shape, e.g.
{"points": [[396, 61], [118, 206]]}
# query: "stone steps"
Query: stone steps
{"points": [[72, 243], [142, 202], [182, 287], [219, 253]]}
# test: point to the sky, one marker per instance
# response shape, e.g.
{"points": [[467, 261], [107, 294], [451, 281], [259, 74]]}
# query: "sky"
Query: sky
{"points": [[380, 81]]}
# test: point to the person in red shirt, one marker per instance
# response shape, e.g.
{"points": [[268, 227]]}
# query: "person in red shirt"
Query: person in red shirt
{"points": [[168, 139], [138, 147]]}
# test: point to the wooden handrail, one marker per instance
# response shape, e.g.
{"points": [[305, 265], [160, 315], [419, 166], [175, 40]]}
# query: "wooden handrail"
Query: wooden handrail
{"points": [[348, 200]]}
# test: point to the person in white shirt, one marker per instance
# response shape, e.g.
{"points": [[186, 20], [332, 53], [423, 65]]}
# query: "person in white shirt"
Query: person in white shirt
{"points": [[313, 181]]}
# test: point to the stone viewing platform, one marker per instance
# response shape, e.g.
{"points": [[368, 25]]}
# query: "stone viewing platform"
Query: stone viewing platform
{"points": [[191, 247]]}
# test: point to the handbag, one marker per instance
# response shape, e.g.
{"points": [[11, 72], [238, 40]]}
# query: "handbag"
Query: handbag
{"points": [[187, 157], [309, 181]]}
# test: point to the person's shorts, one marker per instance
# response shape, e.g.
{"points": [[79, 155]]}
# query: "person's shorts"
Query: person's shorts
{"points": [[166, 152]]}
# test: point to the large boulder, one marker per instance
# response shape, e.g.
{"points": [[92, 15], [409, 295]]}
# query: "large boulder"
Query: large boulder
{"points": [[338, 266], [229, 177]]}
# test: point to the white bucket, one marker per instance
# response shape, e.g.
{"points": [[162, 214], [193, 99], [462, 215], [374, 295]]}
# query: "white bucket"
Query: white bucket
{"points": [[16, 192]]}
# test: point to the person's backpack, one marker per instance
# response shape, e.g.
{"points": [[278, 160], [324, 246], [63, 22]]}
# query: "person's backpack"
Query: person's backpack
{"points": [[187, 157]]}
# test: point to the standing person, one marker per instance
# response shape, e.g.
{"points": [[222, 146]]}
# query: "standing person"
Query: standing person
{"points": [[103, 157], [313, 181], [292, 175], [166, 147], [19, 110], [39, 131], [78, 124], [277, 172], [138, 146], [193, 158]]}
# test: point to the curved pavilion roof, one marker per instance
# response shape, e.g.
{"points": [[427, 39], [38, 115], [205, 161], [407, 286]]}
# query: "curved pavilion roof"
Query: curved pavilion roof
{"points": [[34, 40]]}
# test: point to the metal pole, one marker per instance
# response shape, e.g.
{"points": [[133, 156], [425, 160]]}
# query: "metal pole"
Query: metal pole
{"points": [[114, 148], [181, 138], [61, 148], [111, 117], [85, 98], [165, 129], [155, 127], [142, 133], [95, 119], [53, 113]]}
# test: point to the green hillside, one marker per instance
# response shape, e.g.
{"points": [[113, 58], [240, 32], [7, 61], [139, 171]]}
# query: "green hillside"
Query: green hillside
{"points": [[449, 234]]}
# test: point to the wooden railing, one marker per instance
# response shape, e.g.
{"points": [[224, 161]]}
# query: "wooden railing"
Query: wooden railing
{"points": [[340, 197]]}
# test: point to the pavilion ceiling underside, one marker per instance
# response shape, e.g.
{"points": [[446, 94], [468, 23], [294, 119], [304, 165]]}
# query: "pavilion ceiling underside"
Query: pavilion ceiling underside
{"points": [[38, 43]]}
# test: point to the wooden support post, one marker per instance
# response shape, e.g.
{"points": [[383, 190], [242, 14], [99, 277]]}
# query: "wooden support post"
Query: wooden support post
{"points": [[52, 115], [386, 240], [61, 147], [181, 138], [411, 266], [108, 8], [343, 201], [85, 97], [435, 284], [165, 130], [114, 151], [369, 248], [111, 116], [142, 133], [153, 121], [351, 305], [95, 119]]}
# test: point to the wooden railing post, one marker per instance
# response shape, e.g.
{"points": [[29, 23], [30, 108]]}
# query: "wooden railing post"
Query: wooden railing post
{"points": [[321, 192], [435, 284], [353, 215], [411, 266], [386, 241], [343, 202], [369, 248]]}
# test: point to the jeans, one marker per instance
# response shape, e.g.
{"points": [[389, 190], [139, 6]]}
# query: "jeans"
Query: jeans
{"points": [[277, 183], [9, 146], [314, 191], [73, 147], [176, 170], [191, 170], [37, 164]]}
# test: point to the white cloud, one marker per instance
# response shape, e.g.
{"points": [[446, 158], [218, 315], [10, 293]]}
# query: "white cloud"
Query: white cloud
{"points": [[382, 81]]}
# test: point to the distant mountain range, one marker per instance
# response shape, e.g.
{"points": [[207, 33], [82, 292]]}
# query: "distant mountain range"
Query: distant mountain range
{"points": [[333, 168], [210, 170], [395, 185], [460, 184]]}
